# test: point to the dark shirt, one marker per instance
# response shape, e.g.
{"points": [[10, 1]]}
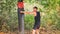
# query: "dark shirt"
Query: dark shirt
{"points": [[37, 17]]}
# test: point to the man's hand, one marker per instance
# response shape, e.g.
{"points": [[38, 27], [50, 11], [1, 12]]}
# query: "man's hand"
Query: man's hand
{"points": [[24, 12], [21, 11]]}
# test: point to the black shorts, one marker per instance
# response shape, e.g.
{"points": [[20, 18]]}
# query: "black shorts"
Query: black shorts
{"points": [[36, 25]]}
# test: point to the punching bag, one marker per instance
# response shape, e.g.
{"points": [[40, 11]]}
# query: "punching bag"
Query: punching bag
{"points": [[20, 16]]}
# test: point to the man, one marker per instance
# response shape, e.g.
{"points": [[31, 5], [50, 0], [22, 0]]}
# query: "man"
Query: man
{"points": [[36, 18]]}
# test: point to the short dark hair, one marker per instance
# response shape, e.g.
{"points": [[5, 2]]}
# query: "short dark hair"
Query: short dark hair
{"points": [[35, 7]]}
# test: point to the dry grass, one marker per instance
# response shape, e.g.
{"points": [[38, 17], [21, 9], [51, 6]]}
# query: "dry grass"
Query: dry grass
{"points": [[42, 31], [27, 32]]}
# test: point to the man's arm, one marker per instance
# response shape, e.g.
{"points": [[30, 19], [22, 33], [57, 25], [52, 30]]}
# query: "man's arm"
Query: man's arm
{"points": [[26, 12], [33, 13]]}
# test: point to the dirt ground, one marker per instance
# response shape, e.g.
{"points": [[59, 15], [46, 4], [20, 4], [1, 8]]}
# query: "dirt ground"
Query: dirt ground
{"points": [[27, 32]]}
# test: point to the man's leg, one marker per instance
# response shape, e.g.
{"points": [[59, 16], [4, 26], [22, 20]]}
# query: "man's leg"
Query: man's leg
{"points": [[36, 28], [37, 31], [33, 31]]}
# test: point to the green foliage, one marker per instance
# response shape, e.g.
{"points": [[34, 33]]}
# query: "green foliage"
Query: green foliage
{"points": [[29, 22], [49, 9]]}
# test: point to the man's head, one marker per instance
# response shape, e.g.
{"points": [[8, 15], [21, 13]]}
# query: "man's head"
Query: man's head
{"points": [[35, 9]]}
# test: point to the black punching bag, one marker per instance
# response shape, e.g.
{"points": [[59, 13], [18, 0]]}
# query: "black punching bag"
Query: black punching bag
{"points": [[20, 16]]}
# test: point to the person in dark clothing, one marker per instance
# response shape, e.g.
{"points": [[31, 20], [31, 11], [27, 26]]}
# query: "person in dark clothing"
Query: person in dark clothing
{"points": [[36, 18]]}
